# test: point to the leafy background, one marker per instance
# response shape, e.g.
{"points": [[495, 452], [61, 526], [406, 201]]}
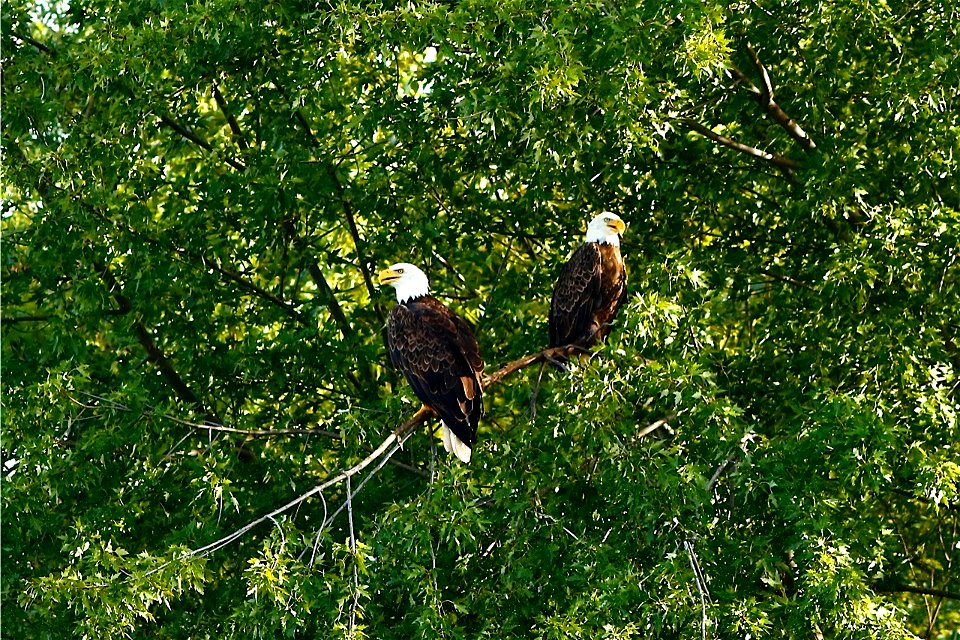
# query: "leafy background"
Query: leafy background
{"points": [[195, 197]]}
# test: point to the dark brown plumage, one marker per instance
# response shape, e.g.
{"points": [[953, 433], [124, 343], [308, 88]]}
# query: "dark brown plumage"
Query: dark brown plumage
{"points": [[439, 356], [587, 296]]}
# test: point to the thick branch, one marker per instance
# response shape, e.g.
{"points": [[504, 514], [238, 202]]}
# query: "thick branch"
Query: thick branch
{"points": [[547, 354], [778, 160]]}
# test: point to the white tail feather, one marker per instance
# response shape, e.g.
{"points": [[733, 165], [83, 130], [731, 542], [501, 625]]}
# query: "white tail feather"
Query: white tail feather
{"points": [[456, 446]]}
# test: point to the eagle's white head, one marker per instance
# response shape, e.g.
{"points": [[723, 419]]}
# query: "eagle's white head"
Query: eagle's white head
{"points": [[606, 228], [407, 279]]}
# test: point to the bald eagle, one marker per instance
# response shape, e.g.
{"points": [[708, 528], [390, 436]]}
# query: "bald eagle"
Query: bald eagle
{"points": [[439, 356], [591, 287]]}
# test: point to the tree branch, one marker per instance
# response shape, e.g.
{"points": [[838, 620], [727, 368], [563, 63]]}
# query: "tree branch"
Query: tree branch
{"points": [[35, 43], [354, 233], [397, 437], [249, 286], [231, 120], [17, 319], [344, 202], [205, 426], [924, 591], [776, 159], [154, 353], [766, 100], [526, 361], [197, 140], [336, 311], [231, 275]]}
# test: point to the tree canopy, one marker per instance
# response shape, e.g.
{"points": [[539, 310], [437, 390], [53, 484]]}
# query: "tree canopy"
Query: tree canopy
{"points": [[201, 426]]}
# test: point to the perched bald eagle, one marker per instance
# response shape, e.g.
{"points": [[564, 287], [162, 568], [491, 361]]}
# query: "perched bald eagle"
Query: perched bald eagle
{"points": [[438, 354], [591, 287]]}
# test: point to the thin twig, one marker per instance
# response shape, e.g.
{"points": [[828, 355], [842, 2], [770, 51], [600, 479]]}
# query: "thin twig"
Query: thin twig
{"points": [[721, 468], [536, 391], [210, 426], [398, 435]]}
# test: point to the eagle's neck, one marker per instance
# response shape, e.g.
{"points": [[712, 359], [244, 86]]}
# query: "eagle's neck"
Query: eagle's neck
{"points": [[409, 290], [603, 238]]}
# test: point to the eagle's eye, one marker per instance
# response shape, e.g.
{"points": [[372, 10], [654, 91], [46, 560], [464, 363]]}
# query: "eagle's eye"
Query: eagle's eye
{"points": [[399, 270]]}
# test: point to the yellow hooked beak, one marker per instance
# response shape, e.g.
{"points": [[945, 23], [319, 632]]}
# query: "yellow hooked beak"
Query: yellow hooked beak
{"points": [[617, 226], [387, 276]]}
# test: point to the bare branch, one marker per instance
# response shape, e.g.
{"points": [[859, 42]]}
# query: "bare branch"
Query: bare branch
{"points": [[776, 159], [398, 436], [203, 426], [721, 468], [526, 361]]}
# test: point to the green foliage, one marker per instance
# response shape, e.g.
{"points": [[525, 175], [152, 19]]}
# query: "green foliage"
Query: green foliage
{"points": [[195, 197]]}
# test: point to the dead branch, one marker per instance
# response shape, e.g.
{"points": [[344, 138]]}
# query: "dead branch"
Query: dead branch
{"points": [[526, 361], [205, 426], [399, 435]]}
